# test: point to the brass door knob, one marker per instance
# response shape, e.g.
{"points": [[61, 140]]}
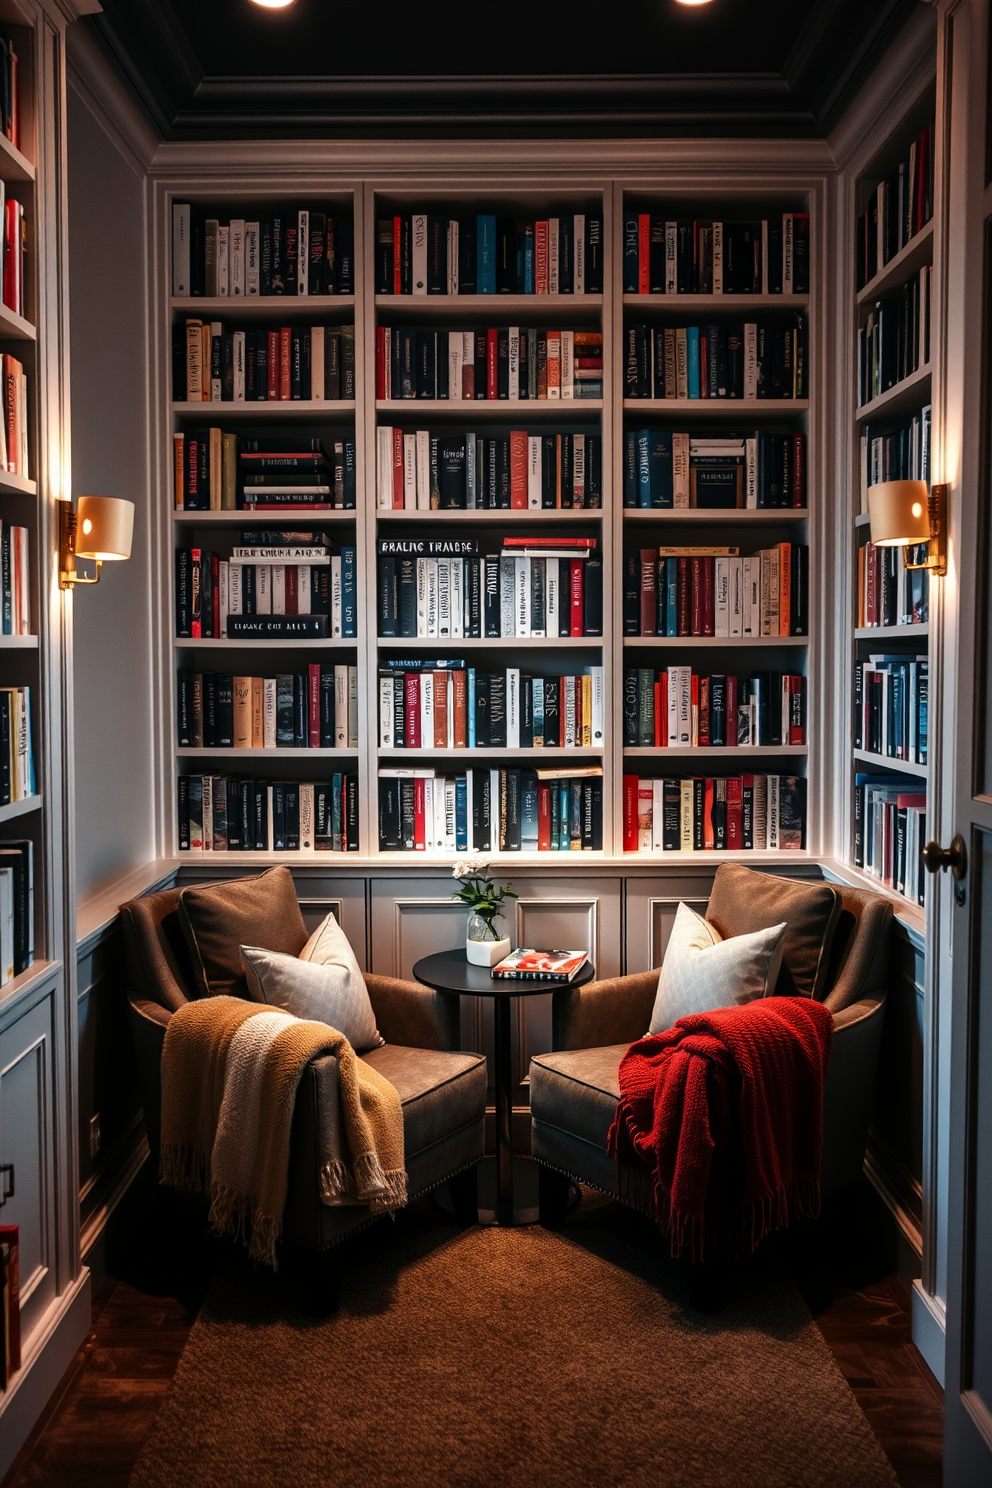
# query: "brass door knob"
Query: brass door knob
{"points": [[955, 857]]}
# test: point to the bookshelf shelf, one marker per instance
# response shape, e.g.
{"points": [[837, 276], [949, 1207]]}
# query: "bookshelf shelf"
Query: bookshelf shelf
{"points": [[539, 309], [283, 410], [558, 755], [22, 984], [704, 516], [13, 165], [722, 408], [294, 518], [254, 643], [19, 643], [505, 515], [271, 307], [863, 519], [182, 752], [906, 396], [489, 643], [501, 410], [14, 327], [892, 632], [778, 856], [885, 762], [17, 485], [732, 642], [720, 302], [20, 808], [917, 252], [729, 751]]}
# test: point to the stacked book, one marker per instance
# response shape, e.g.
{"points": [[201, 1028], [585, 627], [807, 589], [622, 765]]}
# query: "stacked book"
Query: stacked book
{"points": [[897, 209], [765, 359], [216, 471], [294, 251], [442, 704], [536, 587], [16, 907], [499, 362], [689, 256], [735, 813], [222, 813], [890, 831], [289, 363], [895, 339], [664, 470], [895, 452], [674, 707], [435, 253], [313, 709], [272, 587], [891, 707], [889, 593], [427, 470], [713, 591], [15, 581], [486, 810]]}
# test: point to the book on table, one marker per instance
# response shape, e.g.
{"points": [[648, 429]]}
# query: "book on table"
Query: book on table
{"points": [[528, 965]]}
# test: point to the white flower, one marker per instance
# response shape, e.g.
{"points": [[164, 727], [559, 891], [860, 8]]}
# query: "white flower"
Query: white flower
{"points": [[470, 868]]}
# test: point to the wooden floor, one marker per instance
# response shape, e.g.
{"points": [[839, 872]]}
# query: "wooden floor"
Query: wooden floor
{"points": [[107, 1401]]}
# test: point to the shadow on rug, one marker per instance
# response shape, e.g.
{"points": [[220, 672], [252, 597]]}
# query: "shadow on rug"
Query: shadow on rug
{"points": [[489, 1357]]}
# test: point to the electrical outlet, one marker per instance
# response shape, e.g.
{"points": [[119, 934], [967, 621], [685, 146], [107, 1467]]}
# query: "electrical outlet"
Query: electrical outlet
{"points": [[94, 1135]]}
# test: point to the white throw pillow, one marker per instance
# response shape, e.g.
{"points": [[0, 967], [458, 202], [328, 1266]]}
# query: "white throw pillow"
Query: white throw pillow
{"points": [[324, 983], [701, 971]]}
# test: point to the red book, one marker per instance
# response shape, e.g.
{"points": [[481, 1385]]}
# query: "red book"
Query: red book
{"points": [[659, 704], [694, 709], [683, 598], [799, 470], [272, 368], [419, 816], [649, 591], [661, 715], [709, 596], [644, 253], [313, 711], [411, 699], [292, 589], [578, 543], [630, 784], [735, 813], [785, 589], [540, 257], [797, 710], [397, 255], [709, 835], [578, 597], [397, 470], [285, 363], [215, 596], [704, 710], [11, 254], [10, 1258], [381, 362], [696, 596], [518, 470], [492, 364], [731, 696], [544, 818]]}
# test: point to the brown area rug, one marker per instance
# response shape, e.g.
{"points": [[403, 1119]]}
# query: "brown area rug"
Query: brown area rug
{"points": [[490, 1357]]}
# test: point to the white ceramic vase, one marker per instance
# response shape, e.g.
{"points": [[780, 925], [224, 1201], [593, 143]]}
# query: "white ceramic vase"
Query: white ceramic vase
{"points": [[483, 944]]}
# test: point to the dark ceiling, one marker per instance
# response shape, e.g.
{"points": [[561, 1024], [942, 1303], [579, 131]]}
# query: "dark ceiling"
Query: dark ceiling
{"points": [[470, 68]]}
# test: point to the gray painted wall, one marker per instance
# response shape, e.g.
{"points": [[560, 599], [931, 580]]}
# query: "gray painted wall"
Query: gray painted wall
{"points": [[109, 367]]}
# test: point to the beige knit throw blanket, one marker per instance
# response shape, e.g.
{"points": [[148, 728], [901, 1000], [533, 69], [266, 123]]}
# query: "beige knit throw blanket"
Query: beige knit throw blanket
{"points": [[228, 1091]]}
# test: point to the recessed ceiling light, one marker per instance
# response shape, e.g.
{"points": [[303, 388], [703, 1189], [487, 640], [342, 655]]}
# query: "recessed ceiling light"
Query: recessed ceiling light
{"points": [[281, 4], [679, 2]]}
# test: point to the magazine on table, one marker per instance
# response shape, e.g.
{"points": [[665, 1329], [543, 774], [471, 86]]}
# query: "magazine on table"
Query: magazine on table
{"points": [[528, 965]]}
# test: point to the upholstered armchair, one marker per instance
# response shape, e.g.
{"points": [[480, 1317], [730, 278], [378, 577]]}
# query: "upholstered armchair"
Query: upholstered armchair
{"points": [[574, 1090], [442, 1091]]}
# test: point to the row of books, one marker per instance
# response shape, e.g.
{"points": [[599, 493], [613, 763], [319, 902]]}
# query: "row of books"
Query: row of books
{"points": [[895, 339], [16, 907], [447, 705], [10, 1303], [516, 363], [486, 810], [895, 453], [897, 209], [14, 252], [714, 591], [312, 709], [664, 469], [435, 253], [15, 580], [266, 591], [690, 256], [217, 471], [284, 364], [733, 813], [10, 106], [756, 359], [889, 593], [227, 813], [890, 831], [533, 588], [675, 708], [17, 767], [294, 251], [426, 470], [13, 417], [892, 706]]}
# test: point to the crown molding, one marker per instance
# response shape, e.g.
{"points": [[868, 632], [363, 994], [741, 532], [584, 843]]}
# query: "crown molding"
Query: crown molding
{"points": [[902, 76], [98, 83]]}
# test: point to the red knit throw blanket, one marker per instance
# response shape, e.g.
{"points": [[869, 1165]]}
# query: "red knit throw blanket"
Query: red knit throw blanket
{"points": [[722, 1115]]}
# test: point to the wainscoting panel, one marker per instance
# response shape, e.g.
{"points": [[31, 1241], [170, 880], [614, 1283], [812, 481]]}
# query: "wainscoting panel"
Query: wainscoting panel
{"points": [[651, 905], [895, 1141], [27, 1141]]}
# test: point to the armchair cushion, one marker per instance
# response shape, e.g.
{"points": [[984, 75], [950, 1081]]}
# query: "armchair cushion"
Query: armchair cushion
{"points": [[702, 971], [743, 901], [218, 919], [439, 1092], [577, 1091]]}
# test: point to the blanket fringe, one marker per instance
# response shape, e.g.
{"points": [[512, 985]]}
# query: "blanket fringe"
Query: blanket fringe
{"points": [[184, 1168]]}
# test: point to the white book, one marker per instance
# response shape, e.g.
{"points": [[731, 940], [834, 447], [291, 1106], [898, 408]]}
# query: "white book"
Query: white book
{"points": [[567, 707], [657, 815], [427, 710], [750, 359], [513, 707], [468, 358], [598, 710], [263, 588], [409, 472], [553, 252], [721, 574], [455, 355], [671, 258], [453, 263], [181, 216], [535, 472], [418, 232], [384, 467], [224, 595], [671, 735], [269, 712], [253, 237], [238, 357], [443, 598], [458, 595], [216, 389], [317, 363], [774, 591], [579, 253], [507, 596], [423, 459], [304, 586], [234, 572], [685, 817], [449, 814], [471, 474], [568, 365], [760, 812], [680, 470], [718, 258], [764, 256], [352, 707], [421, 598], [513, 369], [493, 845], [336, 598], [521, 609], [303, 252], [469, 803], [223, 261], [432, 598], [238, 276], [789, 251], [736, 597], [684, 716], [751, 473], [306, 817], [341, 706], [552, 597]]}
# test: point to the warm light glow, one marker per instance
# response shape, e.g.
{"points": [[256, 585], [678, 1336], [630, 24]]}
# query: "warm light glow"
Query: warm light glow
{"points": [[917, 509], [104, 528], [678, 2], [281, 4]]}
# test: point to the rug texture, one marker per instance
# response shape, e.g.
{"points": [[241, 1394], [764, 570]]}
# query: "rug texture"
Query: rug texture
{"points": [[489, 1357]]}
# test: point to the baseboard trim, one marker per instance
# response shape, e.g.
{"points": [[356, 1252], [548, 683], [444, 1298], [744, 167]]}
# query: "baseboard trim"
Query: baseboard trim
{"points": [[929, 1324], [51, 1352]]}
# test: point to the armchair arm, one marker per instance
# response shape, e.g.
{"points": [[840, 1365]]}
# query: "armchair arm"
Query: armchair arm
{"points": [[850, 1092], [614, 1011], [407, 1013]]}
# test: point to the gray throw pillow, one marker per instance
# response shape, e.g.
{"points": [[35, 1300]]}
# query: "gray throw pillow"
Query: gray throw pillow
{"points": [[324, 983], [701, 971]]}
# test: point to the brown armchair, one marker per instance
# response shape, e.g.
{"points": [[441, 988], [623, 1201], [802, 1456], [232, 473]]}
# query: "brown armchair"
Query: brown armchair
{"points": [[442, 1090], [575, 1089]]}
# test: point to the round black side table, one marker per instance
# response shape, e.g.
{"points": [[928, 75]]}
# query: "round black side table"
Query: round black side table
{"points": [[451, 973]]}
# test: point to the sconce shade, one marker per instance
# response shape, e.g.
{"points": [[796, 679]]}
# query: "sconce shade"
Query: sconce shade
{"points": [[104, 526], [899, 512]]}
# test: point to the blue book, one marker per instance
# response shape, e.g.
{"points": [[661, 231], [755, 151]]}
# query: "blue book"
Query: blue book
{"points": [[528, 812], [470, 705], [671, 596], [528, 274], [349, 599], [485, 254], [630, 469], [660, 461], [692, 360], [631, 253], [643, 468], [461, 813], [337, 816], [555, 816]]}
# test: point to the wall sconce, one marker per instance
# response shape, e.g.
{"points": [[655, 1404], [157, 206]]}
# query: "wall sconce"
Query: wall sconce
{"points": [[99, 529], [904, 513]]}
